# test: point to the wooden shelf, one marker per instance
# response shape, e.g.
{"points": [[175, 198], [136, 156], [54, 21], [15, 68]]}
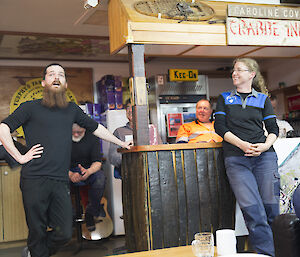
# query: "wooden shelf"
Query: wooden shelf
{"points": [[287, 91]]}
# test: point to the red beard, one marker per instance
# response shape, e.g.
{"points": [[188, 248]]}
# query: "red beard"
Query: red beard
{"points": [[54, 97]]}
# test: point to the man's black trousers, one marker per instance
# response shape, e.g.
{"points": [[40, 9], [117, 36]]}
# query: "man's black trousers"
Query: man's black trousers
{"points": [[48, 210]]}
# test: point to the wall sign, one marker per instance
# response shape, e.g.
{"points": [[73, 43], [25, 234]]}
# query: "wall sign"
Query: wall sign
{"points": [[245, 31], [267, 12], [174, 121], [183, 75], [294, 103]]}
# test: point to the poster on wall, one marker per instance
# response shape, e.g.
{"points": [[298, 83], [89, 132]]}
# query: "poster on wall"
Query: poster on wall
{"points": [[174, 121], [55, 47], [294, 103], [13, 78], [189, 117]]}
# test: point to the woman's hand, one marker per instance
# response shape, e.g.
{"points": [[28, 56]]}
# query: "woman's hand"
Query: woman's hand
{"points": [[246, 147], [259, 148], [252, 149]]}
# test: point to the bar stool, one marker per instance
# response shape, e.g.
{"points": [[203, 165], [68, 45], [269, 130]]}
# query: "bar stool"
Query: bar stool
{"points": [[78, 217], [82, 235]]}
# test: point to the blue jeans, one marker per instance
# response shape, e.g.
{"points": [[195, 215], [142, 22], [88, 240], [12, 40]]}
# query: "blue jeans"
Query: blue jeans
{"points": [[256, 184], [96, 183]]}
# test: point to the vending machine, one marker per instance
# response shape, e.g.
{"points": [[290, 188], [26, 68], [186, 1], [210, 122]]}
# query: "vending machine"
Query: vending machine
{"points": [[174, 103]]}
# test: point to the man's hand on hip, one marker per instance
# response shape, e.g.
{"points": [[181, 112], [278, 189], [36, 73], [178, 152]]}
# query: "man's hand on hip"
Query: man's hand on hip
{"points": [[34, 152]]}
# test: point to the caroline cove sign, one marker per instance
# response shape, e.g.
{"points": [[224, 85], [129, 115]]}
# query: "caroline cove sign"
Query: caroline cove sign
{"points": [[244, 31], [266, 12]]}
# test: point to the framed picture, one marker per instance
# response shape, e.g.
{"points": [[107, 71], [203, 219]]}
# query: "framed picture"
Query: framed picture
{"points": [[36, 46]]}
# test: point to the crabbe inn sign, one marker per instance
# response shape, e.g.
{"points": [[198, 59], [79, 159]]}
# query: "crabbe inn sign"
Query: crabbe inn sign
{"points": [[263, 25]]}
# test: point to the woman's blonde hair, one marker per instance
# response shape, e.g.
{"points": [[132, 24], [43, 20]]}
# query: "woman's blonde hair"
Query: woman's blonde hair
{"points": [[258, 82]]}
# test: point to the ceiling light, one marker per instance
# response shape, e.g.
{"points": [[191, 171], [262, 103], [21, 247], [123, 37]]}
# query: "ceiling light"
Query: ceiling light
{"points": [[90, 4]]}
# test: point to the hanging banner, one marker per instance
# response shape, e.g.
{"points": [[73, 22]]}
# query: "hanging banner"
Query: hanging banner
{"points": [[244, 31]]}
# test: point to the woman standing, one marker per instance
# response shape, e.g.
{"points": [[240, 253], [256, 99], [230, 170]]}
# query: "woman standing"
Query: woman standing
{"points": [[250, 160]]}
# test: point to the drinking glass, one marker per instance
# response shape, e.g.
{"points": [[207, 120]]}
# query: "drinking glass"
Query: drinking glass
{"points": [[203, 245]]}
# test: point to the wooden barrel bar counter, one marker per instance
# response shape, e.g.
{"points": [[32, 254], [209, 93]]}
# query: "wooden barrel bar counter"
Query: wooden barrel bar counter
{"points": [[171, 192]]}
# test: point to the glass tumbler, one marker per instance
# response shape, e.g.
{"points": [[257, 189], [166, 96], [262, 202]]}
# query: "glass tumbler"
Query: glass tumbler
{"points": [[203, 245]]}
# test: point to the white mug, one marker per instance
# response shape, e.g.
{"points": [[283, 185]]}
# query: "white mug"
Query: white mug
{"points": [[128, 138], [226, 242]]}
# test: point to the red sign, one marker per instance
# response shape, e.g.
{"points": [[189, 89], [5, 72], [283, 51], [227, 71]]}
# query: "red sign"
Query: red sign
{"points": [[174, 121], [294, 103], [245, 31]]}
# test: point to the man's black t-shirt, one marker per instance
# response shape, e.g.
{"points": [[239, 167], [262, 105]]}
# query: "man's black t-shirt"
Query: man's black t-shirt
{"points": [[86, 151], [52, 128]]}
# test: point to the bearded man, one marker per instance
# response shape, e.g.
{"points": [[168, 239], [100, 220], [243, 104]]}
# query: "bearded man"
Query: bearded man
{"points": [[85, 169], [44, 183]]}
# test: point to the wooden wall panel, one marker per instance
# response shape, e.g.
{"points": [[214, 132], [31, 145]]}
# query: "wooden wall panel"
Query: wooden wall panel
{"points": [[168, 199], [181, 186], [213, 186], [80, 82], [185, 191], [192, 196], [14, 224], [155, 202], [126, 196], [204, 190], [134, 206]]}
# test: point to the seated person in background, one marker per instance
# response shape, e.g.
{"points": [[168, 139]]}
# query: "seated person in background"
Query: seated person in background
{"points": [[85, 169], [284, 126], [202, 129], [115, 158]]}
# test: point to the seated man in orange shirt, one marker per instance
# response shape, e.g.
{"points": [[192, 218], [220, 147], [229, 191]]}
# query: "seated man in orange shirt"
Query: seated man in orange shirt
{"points": [[202, 129]]}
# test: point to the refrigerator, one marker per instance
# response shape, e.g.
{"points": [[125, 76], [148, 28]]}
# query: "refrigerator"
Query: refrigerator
{"points": [[113, 119], [177, 98]]}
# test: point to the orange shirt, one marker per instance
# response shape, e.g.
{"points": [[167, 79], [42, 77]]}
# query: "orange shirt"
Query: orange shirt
{"points": [[195, 132]]}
